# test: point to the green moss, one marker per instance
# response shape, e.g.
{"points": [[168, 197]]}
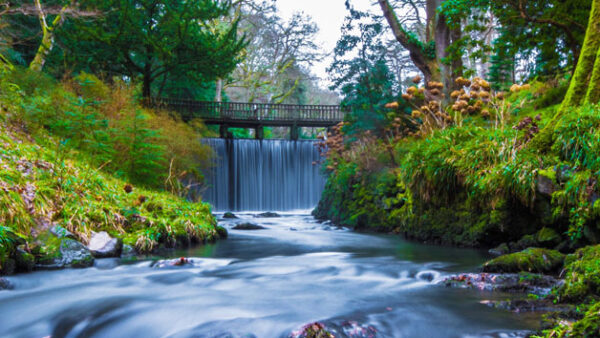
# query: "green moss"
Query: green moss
{"points": [[534, 260], [582, 276], [548, 237]]}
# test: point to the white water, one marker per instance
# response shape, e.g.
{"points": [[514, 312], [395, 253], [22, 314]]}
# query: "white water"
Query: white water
{"points": [[263, 175]]}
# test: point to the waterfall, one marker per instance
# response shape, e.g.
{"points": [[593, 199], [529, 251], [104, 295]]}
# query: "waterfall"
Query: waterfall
{"points": [[263, 175]]}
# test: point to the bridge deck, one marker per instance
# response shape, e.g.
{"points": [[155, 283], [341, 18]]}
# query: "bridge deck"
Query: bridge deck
{"points": [[237, 114]]}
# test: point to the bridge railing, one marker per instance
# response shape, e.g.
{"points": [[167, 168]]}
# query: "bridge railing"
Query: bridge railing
{"points": [[250, 111]]}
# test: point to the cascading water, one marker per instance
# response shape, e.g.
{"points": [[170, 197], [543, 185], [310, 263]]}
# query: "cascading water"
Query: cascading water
{"points": [[263, 175]]}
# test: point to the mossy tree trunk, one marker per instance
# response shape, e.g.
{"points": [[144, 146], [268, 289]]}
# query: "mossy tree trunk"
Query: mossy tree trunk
{"points": [[427, 55], [585, 84], [47, 36]]}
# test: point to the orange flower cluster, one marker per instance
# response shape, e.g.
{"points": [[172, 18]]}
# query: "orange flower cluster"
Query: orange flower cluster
{"points": [[473, 98]]}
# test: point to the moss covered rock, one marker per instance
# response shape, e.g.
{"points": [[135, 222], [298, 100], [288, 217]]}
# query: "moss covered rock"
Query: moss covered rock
{"points": [[582, 275], [548, 238], [530, 260]]}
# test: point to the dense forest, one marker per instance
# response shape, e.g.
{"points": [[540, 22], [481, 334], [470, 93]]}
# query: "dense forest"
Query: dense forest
{"points": [[471, 123]]}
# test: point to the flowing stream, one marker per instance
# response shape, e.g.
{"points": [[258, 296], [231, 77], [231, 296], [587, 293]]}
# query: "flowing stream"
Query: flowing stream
{"points": [[264, 283]]}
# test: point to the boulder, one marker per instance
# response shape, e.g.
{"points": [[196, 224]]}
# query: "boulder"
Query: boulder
{"points": [[533, 260], [336, 328], [545, 182], [528, 241], [268, 215], [500, 250], [248, 226], [103, 246], [525, 283], [25, 262], [548, 238], [74, 255], [229, 215], [222, 232], [61, 232], [128, 251], [5, 284]]}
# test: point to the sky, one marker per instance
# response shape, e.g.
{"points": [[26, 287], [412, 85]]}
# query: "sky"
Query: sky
{"points": [[329, 16]]}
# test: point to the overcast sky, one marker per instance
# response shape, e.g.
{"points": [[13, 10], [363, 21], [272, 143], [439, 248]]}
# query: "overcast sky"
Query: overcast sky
{"points": [[329, 16]]}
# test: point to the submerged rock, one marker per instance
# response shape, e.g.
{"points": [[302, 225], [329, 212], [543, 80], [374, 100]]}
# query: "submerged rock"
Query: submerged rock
{"points": [[103, 246], [248, 226], [332, 329], [525, 283], [530, 260], [5, 284], [229, 215], [527, 305], [268, 215]]}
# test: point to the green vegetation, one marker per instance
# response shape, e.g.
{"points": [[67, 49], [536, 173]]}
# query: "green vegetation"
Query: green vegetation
{"points": [[532, 260], [84, 156]]}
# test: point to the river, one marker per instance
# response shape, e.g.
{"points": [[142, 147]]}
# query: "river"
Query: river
{"points": [[264, 283]]}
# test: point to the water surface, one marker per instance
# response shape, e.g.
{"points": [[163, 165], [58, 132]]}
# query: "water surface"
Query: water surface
{"points": [[264, 283]]}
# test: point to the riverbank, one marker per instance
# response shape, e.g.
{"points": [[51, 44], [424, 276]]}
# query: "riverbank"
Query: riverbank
{"points": [[480, 182], [85, 174]]}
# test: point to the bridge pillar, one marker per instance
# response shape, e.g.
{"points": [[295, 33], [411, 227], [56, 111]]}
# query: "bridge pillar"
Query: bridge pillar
{"points": [[259, 133], [224, 131], [294, 133]]}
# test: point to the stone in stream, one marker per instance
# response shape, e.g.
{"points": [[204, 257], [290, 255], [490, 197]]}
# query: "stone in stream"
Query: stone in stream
{"points": [[525, 283], [248, 226], [268, 215], [534, 260], [229, 215], [330, 329], [103, 246], [5, 284], [74, 255]]}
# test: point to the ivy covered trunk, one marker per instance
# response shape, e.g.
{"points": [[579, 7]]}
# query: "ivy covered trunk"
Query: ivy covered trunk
{"points": [[585, 84], [47, 37]]}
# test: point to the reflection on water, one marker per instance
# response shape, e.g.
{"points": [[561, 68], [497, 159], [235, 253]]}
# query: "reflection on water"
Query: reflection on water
{"points": [[263, 283]]}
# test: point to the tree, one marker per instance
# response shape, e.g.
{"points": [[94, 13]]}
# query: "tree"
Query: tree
{"points": [[275, 60], [155, 39], [430, 56], [585, 84]]}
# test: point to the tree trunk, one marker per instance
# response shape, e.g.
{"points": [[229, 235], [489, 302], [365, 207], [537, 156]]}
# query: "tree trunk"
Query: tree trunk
{"points": [[593, 94], [219, 91], [585, 82], [147, 83], [37, 64]]}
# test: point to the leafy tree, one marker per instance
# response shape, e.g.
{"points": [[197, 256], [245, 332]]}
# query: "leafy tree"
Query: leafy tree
{"points": [[152, 39], [275, 59], [430, 53]]}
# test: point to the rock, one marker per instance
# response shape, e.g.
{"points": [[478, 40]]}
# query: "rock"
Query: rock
{"points": [[128, 251], [563, 173], [248, 226], [268, 215], [527, 305], [61, 232], [545, 182], [25, 262], [528, 241], [534, 260], [548, 238], [229, 215], [74, 255], [5, 284], [103, 246], [500, 250], [526, 283], [8, 266], [222, 232], [330, 329]]}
